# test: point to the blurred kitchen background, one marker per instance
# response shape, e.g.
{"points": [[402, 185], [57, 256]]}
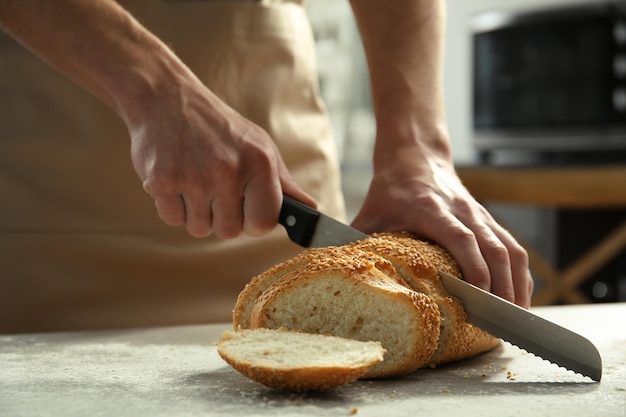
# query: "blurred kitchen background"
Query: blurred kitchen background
{"points": [[477, 113]]}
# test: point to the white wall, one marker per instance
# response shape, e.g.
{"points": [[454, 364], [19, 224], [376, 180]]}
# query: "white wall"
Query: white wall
{"points": [[457, 69]]}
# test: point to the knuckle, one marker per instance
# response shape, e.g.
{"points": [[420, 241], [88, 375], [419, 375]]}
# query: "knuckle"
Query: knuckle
{"points": [[262, 167], [482, 280], [259, 227], [463, 234], [199, 231], [480, 277], [424, 202], [531, 286], [226, 230], [161, 182], [507, 293], [171, 219], [498, 251], [519, 255], [261, 158], [258, 230], [170, 210], [463, 208]]}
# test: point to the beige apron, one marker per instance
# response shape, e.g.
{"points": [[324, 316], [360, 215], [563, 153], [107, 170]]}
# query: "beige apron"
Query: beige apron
{"points": [[81, 246]]}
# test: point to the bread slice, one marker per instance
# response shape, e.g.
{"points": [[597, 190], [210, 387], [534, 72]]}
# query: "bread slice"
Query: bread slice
{"points": [[253, 290], [298, 361], [349, 296], [417, 262]]}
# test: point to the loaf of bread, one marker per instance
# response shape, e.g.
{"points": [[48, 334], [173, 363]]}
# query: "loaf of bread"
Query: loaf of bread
{"points": [[298, 361], [353, 296], [385, 288], [253, 290], [417, 262]]}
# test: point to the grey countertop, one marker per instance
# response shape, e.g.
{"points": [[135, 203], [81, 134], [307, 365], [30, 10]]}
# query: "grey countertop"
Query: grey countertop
{"points": [[176, 371]]}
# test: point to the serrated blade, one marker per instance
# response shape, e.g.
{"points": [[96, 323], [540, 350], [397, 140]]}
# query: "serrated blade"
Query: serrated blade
{"points": [[526, 330], [310, 228]]}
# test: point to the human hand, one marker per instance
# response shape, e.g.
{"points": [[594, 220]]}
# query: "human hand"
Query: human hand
{"points": [[417, 190], [206, 166]]}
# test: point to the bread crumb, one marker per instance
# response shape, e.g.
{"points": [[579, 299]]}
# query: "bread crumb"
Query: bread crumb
{"points": [[446, 391], [511, 376], [354, 411]]}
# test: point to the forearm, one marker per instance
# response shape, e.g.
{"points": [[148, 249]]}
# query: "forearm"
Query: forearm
{"points": [[403, 41], [414, 186], [97, 44], [205, 165]]}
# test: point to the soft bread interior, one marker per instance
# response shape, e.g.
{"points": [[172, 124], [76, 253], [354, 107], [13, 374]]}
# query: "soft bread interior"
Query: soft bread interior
{"points": [[417, 262], [385, 288], [298, 361], [245, 301], [338, 298]]}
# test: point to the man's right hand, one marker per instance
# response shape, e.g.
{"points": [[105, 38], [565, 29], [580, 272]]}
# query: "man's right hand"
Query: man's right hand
{"points": [[206, 166]]}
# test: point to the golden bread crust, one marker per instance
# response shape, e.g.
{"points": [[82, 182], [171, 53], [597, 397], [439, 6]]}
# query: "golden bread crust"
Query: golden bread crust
{"points": [[417, 262], [351, 297], [253, 290], [297, 377], [384, 288]]}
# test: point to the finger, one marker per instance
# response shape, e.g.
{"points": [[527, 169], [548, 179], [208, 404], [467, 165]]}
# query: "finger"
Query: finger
{"points": [[198, 215], [496, 254], [227, 220], [171, 209], [261, 205], [462, 244], [522, 279], [466, 251]]}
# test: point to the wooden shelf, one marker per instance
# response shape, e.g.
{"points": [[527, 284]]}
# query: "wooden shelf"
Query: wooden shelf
{"points": [[573, 187], [559, 187]]}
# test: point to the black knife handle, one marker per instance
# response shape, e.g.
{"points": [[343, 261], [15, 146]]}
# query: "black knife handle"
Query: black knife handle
{"points": [[299, 220]]}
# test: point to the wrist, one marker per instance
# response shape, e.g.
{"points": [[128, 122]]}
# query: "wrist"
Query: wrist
{"points": [[398, 139], [146, 79]]}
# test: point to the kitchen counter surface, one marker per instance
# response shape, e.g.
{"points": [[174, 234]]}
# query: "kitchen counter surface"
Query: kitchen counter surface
{"points": [[176, 371]]}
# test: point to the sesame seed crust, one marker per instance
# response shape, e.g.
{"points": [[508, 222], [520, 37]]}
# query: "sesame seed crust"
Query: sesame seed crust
{"points": [[384, 288], [417, 262]]}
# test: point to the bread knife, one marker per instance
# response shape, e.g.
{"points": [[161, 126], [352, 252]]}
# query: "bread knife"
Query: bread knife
{"points": [[311, 229]]}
